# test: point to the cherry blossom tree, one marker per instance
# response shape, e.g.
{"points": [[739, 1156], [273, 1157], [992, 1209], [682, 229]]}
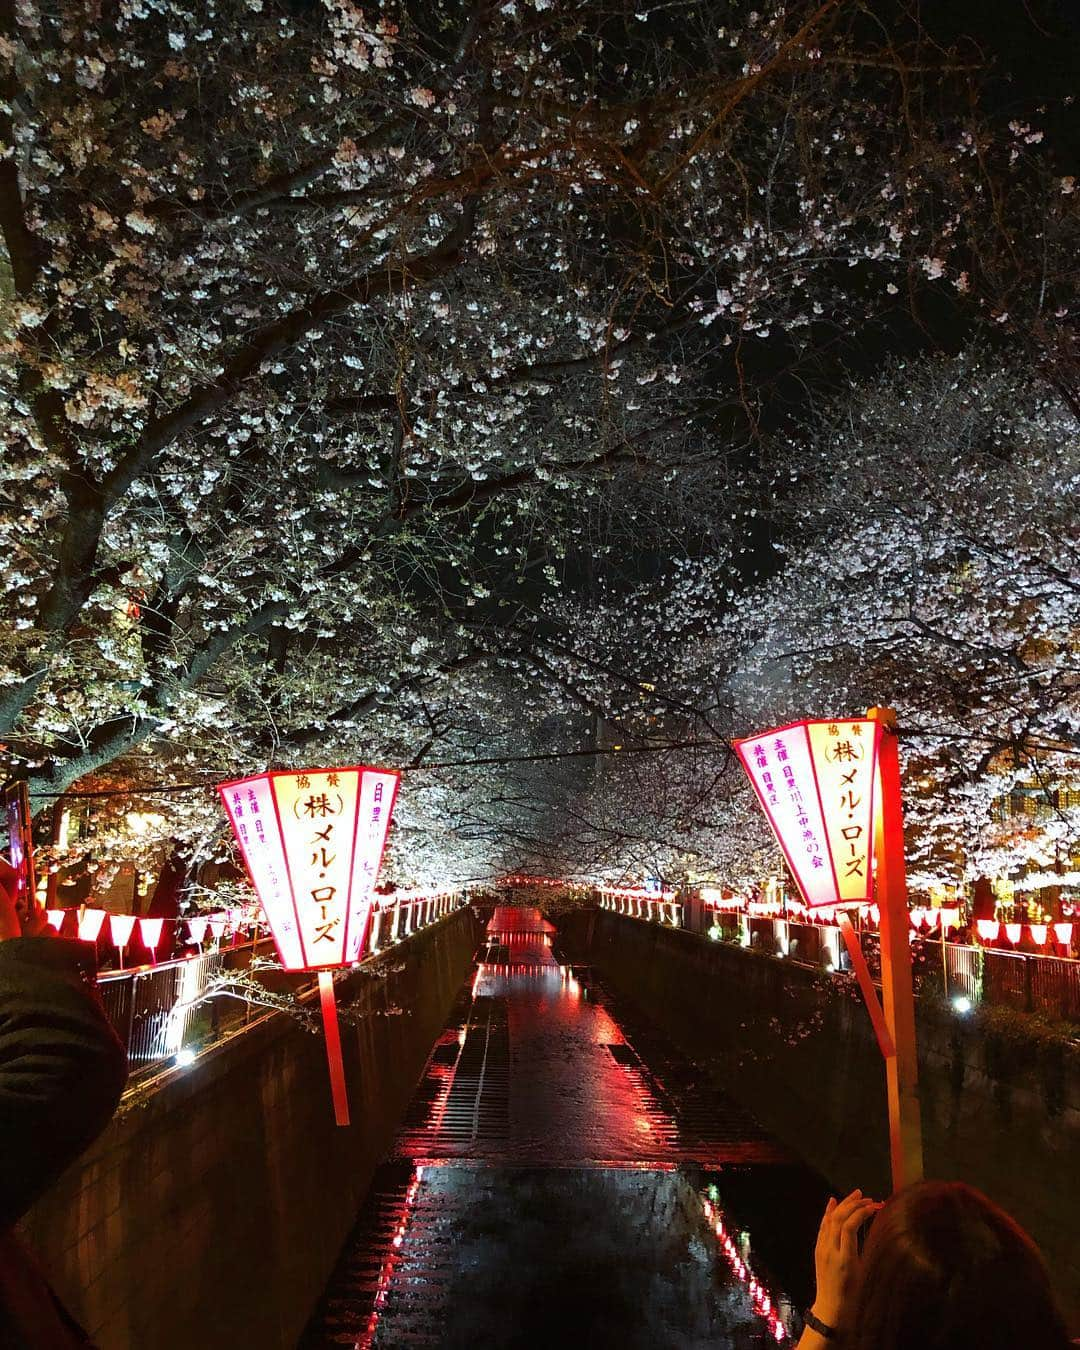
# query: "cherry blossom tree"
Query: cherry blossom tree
{"points": [[932, 562], [336, 339], [929, 562]]}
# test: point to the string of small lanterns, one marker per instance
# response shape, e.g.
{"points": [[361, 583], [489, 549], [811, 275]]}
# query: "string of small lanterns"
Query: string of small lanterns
{"points": [[91, 923]]}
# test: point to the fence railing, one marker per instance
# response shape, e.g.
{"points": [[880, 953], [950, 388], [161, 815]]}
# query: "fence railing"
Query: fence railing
{"points": [[159, 1010], [162, 1011], [958, 971]]}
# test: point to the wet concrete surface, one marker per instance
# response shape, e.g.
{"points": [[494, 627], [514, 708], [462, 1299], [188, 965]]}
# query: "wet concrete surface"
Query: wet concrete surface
{"points": [[564, 1178]]}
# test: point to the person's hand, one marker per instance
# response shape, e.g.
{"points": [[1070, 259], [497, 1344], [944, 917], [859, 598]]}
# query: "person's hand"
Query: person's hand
{"points": [[836, 1255], [11, 926]]}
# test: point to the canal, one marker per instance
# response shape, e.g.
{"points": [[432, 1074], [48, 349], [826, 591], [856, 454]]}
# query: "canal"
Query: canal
{"points": [[564, 1177]]}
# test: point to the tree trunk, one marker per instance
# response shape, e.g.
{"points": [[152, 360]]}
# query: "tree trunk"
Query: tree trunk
{"points": [[165, 901], [982, 899]]}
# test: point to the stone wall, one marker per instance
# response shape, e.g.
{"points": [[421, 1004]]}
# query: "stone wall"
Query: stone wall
{"points": [[212, 1210], [1000, 1096]]}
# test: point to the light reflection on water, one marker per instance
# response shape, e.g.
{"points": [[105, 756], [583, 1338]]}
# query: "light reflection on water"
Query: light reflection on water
{"points": [[581, 1220]]}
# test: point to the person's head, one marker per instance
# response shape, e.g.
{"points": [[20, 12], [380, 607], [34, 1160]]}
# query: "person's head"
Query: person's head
{"points": [[945, 1269]]}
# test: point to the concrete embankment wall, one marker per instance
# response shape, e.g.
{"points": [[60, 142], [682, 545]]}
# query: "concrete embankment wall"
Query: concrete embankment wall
{"points": [[212, 1210], [1000, 1095]]}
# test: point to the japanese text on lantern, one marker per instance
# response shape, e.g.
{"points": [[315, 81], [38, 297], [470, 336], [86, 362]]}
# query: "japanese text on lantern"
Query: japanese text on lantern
{"points": [[845, 755], [313, 842], [318, 825], [815, 781], [376, 803], [251, 807]]}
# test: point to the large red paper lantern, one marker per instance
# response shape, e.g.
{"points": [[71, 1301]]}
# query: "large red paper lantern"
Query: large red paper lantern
{"points": [[313, 841], [831, 790], [816, 781]]}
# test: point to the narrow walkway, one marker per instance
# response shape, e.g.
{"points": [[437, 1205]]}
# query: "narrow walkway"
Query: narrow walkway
{"points": [[563, 1177]]}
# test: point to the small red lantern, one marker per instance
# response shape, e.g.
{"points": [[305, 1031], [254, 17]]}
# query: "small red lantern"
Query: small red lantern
{"points": [[313, 842], [150, 932], [120, 928], [90, 923]]}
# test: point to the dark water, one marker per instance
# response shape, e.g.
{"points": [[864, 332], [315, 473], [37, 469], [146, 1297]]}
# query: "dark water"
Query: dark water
{"points": [[564, 1177]]}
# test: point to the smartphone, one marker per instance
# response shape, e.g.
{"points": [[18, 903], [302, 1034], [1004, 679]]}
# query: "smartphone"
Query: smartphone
{"points": [[864, 1233], [20, 848]]}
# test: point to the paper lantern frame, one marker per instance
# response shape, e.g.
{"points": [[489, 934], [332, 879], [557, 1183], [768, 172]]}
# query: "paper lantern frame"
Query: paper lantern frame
{"points": [[879, 843], [267, 813], [791, 770]]}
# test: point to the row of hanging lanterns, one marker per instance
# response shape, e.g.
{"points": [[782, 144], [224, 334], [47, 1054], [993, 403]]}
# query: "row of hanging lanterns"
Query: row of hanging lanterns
{"points": [[990, 930], [91, 924]]}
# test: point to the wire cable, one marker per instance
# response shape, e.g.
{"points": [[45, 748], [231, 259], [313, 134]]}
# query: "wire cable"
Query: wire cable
{"points": [[551, 756]]}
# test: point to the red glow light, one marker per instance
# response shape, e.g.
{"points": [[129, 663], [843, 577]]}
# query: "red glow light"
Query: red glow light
{"points": [[386, 1272], [760, 1300]]}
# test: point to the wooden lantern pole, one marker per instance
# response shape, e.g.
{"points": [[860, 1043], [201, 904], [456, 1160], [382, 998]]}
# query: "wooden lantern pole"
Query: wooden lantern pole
{"points": [[333, 1046], [897, 991]]}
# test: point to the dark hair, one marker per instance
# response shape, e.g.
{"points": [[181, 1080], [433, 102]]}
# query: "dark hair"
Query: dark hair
{"points": [[945, 1269]]}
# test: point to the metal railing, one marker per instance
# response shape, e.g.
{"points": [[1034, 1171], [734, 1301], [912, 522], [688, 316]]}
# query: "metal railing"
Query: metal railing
{"points": [[654, 909], [1026, 981], [159, 1010], [163, 1010]]}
